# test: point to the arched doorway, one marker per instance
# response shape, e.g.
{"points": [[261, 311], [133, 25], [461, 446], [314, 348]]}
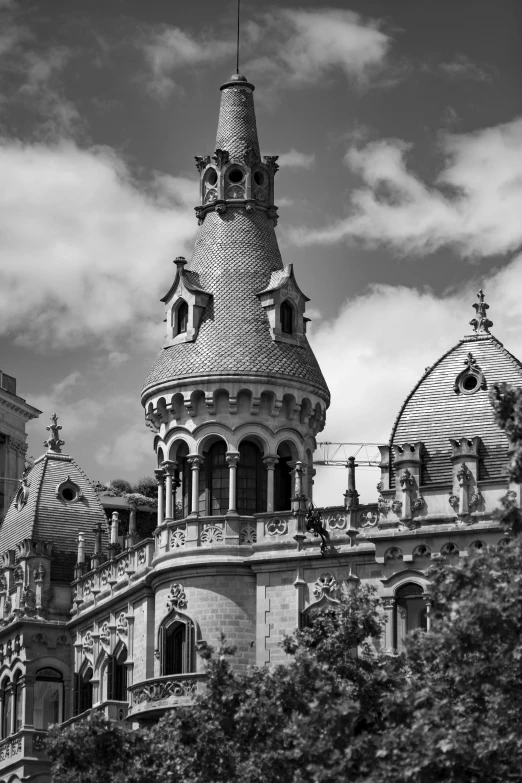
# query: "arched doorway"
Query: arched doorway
{"points": [[251, 480]]}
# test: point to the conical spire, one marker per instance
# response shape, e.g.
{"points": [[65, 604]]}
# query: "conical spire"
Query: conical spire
{"points": [[237, 130]]}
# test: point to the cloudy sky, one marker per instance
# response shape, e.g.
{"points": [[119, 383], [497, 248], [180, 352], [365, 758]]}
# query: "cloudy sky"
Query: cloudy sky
{"points": [[399, 129]]}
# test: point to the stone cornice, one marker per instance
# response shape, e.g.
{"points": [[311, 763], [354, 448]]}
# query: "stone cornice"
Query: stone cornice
{"points": [[18, 405]]}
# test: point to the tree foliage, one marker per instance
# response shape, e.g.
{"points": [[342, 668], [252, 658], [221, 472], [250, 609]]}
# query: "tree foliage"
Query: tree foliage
{"points": [[449, 708]]}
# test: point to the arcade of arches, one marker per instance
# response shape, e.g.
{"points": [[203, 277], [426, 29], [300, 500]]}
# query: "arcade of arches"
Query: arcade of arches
{"points": [[223, 482]]}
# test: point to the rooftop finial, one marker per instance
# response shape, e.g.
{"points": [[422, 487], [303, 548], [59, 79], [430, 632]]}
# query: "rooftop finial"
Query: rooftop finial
{"points": [[481, 323], [53, 442], [237, 50]]}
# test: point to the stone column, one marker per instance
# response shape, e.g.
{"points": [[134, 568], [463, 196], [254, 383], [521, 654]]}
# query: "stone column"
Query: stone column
{"points": [[160, 478], [426, 597], [351, 499], [176, 484], [232, 460], [169, 466], [270, 463], [388, 605], [97, 554], [299, 499], [464, 478], [133, 533], [407, 483], [195, 461]]}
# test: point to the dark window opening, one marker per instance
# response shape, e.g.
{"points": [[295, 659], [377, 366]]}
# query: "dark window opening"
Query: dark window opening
{"points": [[117, 676], [217, 476], [470, 382], [235, 176], [212, 177], [68, 493], [251, 480], [177, 646], [410, 612], [282, 480], [48, 698], [259, 178], [85, 691], [6, 710], [182, 318], [287, 318]]}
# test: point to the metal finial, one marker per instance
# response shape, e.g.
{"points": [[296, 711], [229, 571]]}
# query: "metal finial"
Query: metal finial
{"points": [[237, 50], [481, 323], [53, 442]]}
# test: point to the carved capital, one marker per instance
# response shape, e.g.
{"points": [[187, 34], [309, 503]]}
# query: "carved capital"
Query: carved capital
{"points": [[169, 466], [270, 462], [160, 476], [195, 461], [232, 458]]}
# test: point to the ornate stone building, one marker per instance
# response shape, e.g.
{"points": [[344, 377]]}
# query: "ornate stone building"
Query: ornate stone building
{"points": [[14, 415], [99, 614]]}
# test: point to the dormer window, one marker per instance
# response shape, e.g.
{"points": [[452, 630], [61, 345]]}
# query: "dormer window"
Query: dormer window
{"points": [[182, 314], [287, 318], [68, 491]]}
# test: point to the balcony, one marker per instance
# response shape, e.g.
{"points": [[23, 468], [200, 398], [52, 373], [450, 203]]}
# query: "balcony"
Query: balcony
{"points": [[162, 693], [26, 742], [112, 710]]}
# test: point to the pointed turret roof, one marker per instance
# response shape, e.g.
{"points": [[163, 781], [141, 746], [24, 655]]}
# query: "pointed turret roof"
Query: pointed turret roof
{"points": [[235, 257], [54, 503]]}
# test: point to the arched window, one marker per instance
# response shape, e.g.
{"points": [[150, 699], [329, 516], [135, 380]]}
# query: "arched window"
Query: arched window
{"points": [[84, 690], [6, 708], [410, 612], [48, 698], [177, 646], [182, 317], [287, 318], [17, 703], [283, 479], [217, 475], [184, 474], [117, 675], [251, 480]]}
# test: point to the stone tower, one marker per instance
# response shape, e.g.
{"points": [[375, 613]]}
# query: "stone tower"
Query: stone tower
{"points": [[235, 395]]}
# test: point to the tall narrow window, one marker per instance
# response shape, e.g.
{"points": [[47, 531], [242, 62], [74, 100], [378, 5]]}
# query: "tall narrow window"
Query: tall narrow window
{"points": [[17, 703], [283, 480], [48, 698], [410, 612], [251, 480], [117, 675], [182, 318], [85, 691], [217, 478], [6, 709], [177, 646], [287, 318]]}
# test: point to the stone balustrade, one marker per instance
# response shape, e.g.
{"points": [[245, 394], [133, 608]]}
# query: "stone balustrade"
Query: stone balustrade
{"points": [[159, 693], [26, 742]]}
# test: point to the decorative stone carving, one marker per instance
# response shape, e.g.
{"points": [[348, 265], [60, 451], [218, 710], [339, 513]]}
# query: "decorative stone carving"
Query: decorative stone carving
{"points": [[481, 323], [211, 535], [202, 161], [105, 636], [53, 442], [22, 494], [422, 551], [63, 642], [407, 481], [28, 599], [39, 573], [163, 690], [248, 533], [453, 501], [336, 521], [220, 158], [122, 626], [18, 575], [396, 507], [142, 556], [475, 499], [177, 598], [394, 553], [88, 644], [123, 566], [449, 550], [471, 379], [177, 539], [417, 503], [39, 743], [388, 603], [368, 519], [276, 527], [40, 639], [477, 547], [271, 163], [326, 584]]}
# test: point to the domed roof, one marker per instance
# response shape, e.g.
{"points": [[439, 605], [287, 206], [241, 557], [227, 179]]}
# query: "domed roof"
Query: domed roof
{"points": [[55, 502], [445, 405], [235, 256]]}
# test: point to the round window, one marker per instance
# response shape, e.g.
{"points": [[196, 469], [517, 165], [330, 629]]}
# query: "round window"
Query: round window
{"points": [[69, 494], [259, 178], [211, 177], [470, 383], [235, 176]]}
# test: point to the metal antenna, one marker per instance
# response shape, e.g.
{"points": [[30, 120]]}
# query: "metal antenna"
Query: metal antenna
{"points": [[237, 52]]}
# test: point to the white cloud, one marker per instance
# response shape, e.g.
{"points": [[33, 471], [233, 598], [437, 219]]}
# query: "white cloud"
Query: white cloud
{"points": [[380, 366], [129, 451], [306, 45], [298, 47], [461, 67], [168, 49], [474, 204], [85, 249], [296, 160]]}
